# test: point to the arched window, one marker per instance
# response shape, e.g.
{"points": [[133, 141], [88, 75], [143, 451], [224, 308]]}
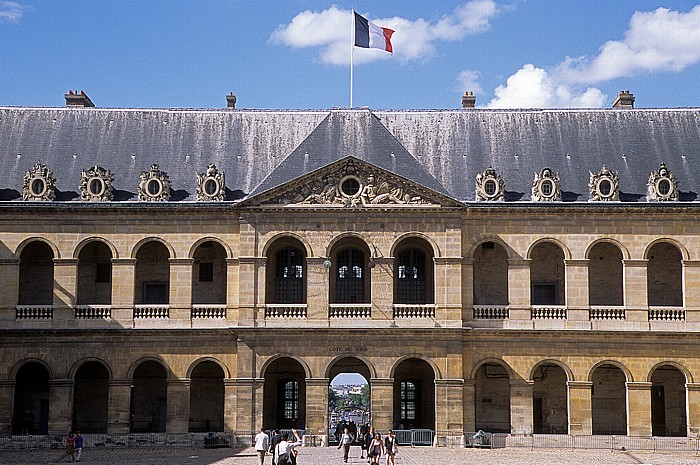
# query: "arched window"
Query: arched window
{"points": [[411, 277], [289, 276], [350, 282]]}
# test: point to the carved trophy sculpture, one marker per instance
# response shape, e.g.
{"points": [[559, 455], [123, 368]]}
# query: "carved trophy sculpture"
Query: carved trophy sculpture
{"points": [[490, 185], [96, 184], [545, 186], [604, 185], [662, 185], [154, 185], [211, 185], [39, 184]]}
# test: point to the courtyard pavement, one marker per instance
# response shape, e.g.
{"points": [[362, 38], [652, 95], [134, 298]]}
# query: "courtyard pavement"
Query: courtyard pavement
{"points": [[332, 456]]}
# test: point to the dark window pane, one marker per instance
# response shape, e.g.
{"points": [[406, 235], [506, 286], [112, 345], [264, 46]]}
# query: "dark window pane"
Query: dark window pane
{"points": [[411, 286], [289, 276], [206, 271], [103, 272], [350, 284]]}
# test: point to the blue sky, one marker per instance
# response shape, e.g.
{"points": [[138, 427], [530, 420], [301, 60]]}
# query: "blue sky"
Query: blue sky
{"points": [[280, 54]]}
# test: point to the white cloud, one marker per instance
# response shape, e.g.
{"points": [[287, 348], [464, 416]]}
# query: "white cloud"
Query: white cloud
{"points": [[413, 40], [11, 11], [656, 41], [468, 80]]}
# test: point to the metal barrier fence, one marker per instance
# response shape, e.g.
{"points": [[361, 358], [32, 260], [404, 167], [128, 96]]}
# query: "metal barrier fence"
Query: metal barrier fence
{"points": [[564, 441]]}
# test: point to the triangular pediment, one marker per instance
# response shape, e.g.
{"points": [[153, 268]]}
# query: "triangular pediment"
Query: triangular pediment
{"points": [[351, 182]]}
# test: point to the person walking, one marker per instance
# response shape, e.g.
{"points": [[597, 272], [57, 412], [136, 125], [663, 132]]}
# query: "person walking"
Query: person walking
{"points": [[376, 449], [344, 442], [276, 439], [283, 450], [391, 446], [78, 446], [262, 445], [70, 446], [367, 440]]}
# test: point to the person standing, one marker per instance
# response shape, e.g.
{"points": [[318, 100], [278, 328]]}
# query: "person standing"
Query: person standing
{"points": [[78, 446], [391, 446], [262, 445], [344, 442], [70, 446], [367, 440], [276, 439]]}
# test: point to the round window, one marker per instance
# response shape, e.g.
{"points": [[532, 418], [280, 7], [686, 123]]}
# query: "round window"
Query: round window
{"points": [[604, 187], [350, 186], [96, 186], [490, 187], [38, 187], [546, 188], [211, 187], [154, 187], [663, 187]]}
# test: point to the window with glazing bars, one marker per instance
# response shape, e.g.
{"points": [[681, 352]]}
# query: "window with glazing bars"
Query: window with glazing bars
{"points": [[291, 400], [289, 277], [350, 281], [411, 285], [408, 400]]}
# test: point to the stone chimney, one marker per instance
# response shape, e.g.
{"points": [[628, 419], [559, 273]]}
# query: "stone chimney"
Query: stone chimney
{"points": [[468, 100], [231, 101], [75, 99], [624, 100]]}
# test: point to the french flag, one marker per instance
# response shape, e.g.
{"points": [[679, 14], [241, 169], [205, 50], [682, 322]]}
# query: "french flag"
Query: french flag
{"points": [[369, 35]]}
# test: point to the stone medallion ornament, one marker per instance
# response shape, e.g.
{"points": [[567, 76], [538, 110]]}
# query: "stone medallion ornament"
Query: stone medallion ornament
{"points": [[211, 185], [604, 185], [39, 184], [545, 186], [662, 185], [96, 184], [490, 185], [154, 185]]}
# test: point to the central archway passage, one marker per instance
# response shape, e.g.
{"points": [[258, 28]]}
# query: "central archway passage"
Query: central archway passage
{"points": [[284, 395], [349, 397]]}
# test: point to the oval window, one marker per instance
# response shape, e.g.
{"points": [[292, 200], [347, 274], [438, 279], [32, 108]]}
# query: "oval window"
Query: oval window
{"points": [[663, 187], [211, 187], [490, 187], [38, 187], [96, 186], [604, 188], [546, 188], [153, 187], [350, 186]]}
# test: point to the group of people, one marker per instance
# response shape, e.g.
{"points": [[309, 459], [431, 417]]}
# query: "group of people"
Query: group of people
{"points": [[74, 446], [284, 451], [371, 442]]}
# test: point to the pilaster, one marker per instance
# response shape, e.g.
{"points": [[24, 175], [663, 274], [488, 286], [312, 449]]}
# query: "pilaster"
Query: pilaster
{"points": [[577, 289], [123, 288], [580, 407], [65, 287], [382, 403], [232, 291], [468, 399], [60, 406], [317, 405], [382, 293], [7, 397], [230, 404], [317, 285], [638, 408], [449, 411], [118, 408], [635, 273], [692, 391], [178, 405], [448, 288], [9, 287], [519, 289], [180, 298], [521, 406]]}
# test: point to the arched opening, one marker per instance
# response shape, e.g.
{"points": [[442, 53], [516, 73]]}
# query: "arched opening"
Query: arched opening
{"points": [[284, 404], [414, 395], [350, 279], [31, 406], [668, 402], [609, 400], [490, 274], [149, 398], [36, 274], [91, 398], [349, 398], [547, 275], [209, 274], [207, 397], [549, 400], [95, 274], [665, 276], [605, 277], [152, 274], [492, 398], [286, 272], [414, 273]]}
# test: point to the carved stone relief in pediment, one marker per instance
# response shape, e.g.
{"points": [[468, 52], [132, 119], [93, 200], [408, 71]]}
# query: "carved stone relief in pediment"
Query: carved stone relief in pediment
{"points": [[351, 185], [39, 184], [604, 185], [211, 185], [154, 185], [96, 184], [662, 185]]}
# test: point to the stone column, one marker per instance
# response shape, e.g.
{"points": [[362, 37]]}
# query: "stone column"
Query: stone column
{"points": [[119, 406], [249, 402], [692, 394], [178, 405], [7, 398], [230, 394], [65, 287], [317, 288], [180, 298], [448, 289], [468, 399], [638, 408], [449, 411], [635, 288], [577, 294], [251, 310], [519, 292], [521, 406], [123, 286], [467, 289], [317, 405], [9, 288], [382, 403], [580, 408], [382, 293], [60, 406]]}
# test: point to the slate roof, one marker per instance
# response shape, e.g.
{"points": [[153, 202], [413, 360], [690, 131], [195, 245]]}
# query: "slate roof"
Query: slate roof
{"points": [[441, 149]]}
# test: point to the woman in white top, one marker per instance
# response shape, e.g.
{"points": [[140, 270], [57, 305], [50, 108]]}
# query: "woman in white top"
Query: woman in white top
{"points": [[285, 448], [376, 448]]}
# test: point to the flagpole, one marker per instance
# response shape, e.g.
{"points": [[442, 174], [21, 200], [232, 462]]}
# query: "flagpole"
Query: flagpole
{"points": [[352, 50]]}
